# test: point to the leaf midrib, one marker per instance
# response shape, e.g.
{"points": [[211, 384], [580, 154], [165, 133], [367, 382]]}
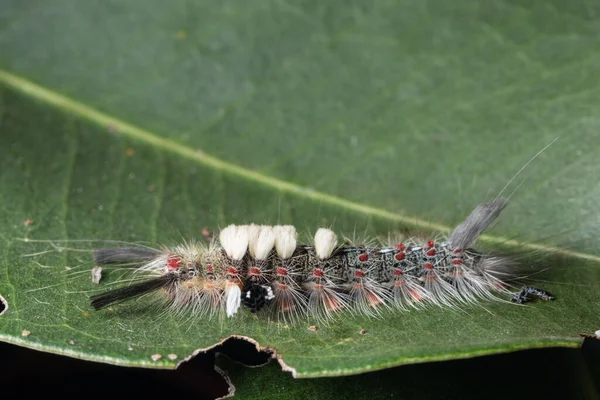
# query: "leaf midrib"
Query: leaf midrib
{"points": [[120, 127]]}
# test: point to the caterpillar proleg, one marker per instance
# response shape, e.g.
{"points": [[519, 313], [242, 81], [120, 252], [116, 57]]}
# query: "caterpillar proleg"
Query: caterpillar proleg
{"points": [[266, 269]]}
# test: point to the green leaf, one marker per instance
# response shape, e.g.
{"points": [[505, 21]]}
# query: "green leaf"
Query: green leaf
{"points": [[150, 121], [458, 379]]}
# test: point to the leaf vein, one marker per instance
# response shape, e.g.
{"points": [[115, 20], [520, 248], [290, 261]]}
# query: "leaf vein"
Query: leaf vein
{"points": [[128, 130]]}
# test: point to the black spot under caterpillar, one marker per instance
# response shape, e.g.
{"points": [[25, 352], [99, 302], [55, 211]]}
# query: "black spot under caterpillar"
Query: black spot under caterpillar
{"points": [[265, 268]]}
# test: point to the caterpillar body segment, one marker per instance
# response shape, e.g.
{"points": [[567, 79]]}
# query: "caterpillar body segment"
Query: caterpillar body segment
{"points": [[264, 267]]}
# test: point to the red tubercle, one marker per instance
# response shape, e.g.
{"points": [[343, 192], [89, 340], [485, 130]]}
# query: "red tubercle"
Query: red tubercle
{"points": [[431, 252], [374, 300], [430, 243], [173, 262], [400, 247], [428, 266], [285, 304], [457, 251], [333, 304], [400, 256], [318, 272], [398, 272], [359, 273], [232, 271], [209, 268], [282, 271], [415, 295], [363, 257], [254, 271], [457, 261]]}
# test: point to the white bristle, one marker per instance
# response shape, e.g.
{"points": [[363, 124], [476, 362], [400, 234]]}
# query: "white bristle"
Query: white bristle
{"points": [[285, 240], [263, 245], [233, 296], [234, 240], [227, 237], [253, 231], [325, 243]]}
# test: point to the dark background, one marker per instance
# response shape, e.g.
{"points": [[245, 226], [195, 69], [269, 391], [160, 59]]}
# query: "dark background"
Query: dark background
{"points": [[555, 373]]}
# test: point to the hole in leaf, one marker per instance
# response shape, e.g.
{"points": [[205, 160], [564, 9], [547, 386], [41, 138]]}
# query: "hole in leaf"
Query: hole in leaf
{"points": [[3, 305], [244, 352]]}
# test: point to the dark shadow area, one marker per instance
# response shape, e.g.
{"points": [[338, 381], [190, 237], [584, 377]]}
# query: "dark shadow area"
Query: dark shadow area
{"points": [[554, 373], [28, 374], [591, 355], [542, 373], [244, 352]]}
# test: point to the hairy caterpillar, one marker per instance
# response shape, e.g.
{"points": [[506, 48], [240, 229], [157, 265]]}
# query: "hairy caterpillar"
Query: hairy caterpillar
{"points": [[265, 268]]}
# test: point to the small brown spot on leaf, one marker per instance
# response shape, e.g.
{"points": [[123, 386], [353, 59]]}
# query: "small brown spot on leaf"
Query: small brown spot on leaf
{"points": [[362, 332], [129, 152], [181, 34], [313, 328], [28, 222], [590, 335]]}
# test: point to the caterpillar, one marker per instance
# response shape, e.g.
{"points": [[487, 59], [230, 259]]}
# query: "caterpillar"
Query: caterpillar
{"points": [[265, 269]]}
